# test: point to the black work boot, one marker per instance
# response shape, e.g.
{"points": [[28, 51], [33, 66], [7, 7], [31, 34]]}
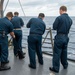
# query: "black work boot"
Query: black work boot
{"points": [[65, 66], [6, 62], [52, 69], [24, 53], [3, 67], [31, 66], [16, 55], [20, 54]]}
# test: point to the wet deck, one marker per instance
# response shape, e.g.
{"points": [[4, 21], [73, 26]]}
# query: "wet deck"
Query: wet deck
{"points": [[20, 67]]}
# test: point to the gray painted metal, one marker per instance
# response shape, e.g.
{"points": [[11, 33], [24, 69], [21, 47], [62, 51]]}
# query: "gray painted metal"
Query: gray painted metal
{"points": [[20, 67], [1, 8]]}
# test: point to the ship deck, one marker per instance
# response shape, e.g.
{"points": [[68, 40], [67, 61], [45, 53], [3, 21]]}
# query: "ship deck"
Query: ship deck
{"points": [[20, 67]]}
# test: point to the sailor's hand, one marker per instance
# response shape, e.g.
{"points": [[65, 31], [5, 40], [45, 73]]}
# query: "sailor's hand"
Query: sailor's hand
{"points": [[14, 36]]}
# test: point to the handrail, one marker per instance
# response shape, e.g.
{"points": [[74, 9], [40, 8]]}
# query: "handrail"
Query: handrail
{"points": [[49, 32], [46, 52]]}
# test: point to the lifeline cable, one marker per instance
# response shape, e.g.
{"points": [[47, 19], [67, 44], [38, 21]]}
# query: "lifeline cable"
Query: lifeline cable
{"points": [[21, 7], [6, 6]]}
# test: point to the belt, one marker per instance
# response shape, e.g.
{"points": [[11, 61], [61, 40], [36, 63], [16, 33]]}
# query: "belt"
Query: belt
{"points": [[62, 34], [34, 34], [17, 29]]}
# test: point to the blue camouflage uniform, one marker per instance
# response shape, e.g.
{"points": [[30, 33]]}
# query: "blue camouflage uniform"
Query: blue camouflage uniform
{"points": [[37, 29], [17, 42], [62, 25], [5, 28]]}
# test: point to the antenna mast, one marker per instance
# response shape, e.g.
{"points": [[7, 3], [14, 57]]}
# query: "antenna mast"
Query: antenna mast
{"points": [[1, 8]]}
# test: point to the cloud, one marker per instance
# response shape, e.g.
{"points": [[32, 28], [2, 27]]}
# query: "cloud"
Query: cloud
{"points": [[33, 7]]}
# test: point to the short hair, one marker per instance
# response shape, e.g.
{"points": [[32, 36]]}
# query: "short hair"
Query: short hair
{"points": [[16, 13], [41, 15], [63, 8], [9, 14]]}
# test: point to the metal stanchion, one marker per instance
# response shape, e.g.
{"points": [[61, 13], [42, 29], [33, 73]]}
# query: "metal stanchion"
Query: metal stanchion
{"points": [[49, 32]]}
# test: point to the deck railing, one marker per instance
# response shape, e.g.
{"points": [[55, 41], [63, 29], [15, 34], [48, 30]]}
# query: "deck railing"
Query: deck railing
{"points": [[49, 36]]}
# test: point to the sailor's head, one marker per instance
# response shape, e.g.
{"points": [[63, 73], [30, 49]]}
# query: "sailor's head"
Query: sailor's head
{"points": [[9, 15], [41, 15], [16, 13], [62, 10]]}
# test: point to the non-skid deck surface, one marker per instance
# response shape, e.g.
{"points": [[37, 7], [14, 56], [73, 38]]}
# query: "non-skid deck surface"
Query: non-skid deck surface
{"points": [[20, 67]]}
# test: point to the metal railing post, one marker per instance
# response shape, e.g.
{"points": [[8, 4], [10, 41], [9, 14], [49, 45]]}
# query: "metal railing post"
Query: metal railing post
{"points": [[45, 37], [51, 38]]}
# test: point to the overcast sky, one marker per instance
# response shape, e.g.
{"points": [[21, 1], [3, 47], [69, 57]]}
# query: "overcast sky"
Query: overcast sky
{"points": [[33, 7]]}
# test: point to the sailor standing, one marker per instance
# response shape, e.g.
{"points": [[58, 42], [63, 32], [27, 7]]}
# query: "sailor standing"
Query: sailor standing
{"points": [[62, 25], [17, 42], [6, 27], [37, 29]]}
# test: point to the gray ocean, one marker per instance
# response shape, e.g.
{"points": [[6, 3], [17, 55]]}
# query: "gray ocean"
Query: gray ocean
{"points": [[46, 46]]}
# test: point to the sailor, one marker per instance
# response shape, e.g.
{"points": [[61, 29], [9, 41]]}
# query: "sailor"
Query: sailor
{"points": [[17, 42], [6, 27], [62, 25], [37, 29]]}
